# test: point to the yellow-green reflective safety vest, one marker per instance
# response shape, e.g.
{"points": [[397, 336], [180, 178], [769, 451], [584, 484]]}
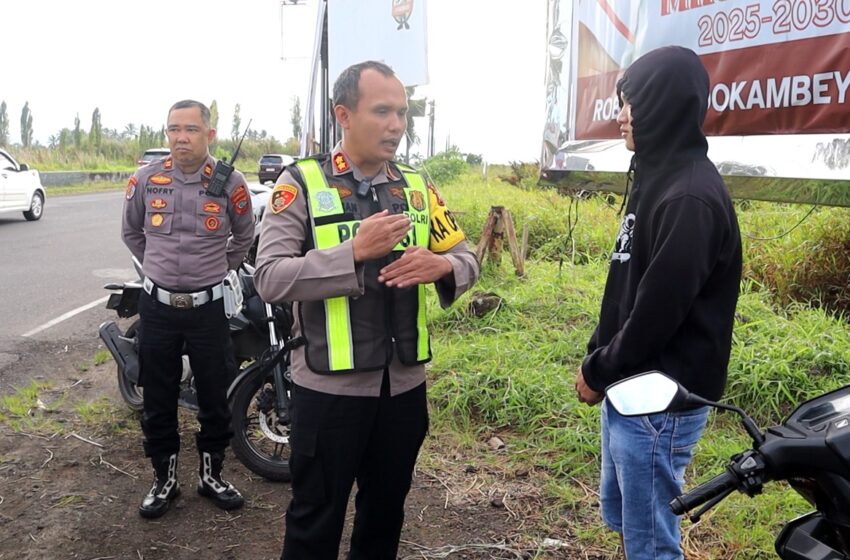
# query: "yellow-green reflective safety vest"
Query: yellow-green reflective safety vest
{"points": [[325, 204]]}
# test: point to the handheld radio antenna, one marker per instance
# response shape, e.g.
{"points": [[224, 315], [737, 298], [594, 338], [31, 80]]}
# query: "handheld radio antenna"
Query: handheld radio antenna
{"points": [[222, 170], [236, 153]]}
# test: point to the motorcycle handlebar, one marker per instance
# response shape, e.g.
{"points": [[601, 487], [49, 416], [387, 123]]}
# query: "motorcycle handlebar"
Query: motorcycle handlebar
{"points": [[718, 485]]}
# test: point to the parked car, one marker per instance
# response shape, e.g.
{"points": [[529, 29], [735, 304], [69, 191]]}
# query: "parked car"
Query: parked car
{"points": [[20, 188], [153, 154], [271, 165]]}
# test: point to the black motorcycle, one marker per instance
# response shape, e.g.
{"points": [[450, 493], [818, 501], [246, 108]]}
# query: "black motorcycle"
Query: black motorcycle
{"points": [[259, 391], [810, 450]]}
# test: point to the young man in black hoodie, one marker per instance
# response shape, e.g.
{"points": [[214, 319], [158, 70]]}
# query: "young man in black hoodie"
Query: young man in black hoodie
{"points": [[669, 300]]}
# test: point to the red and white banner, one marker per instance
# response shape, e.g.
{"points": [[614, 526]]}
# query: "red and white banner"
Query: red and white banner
{"points": [[776, 66]]}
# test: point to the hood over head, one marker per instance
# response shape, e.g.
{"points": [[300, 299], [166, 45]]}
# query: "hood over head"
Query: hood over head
{"points": [[668, 90]]}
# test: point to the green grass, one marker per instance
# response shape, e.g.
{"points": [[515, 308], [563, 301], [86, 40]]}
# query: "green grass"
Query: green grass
{"points": [[82, 188], [23, 411], [809, 264], [105, 416], [511, 372], [102, 356]]}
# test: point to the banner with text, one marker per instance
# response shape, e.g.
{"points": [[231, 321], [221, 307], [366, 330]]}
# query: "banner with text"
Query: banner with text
{"points": [[776, 66]]}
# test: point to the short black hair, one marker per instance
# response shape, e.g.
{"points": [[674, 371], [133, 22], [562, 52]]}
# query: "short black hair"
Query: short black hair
{"points": [[188, 104], [347, 86]]}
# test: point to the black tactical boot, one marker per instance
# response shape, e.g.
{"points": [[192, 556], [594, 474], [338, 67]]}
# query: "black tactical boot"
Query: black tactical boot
{"points": [[212, 486], [165, 488]]}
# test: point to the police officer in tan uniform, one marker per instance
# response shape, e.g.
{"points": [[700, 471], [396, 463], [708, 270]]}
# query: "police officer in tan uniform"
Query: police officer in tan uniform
{"points": [[180, 233], [353, 238]]}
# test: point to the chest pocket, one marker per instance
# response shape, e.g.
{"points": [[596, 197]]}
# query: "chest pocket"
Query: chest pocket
{"points": [[211, 219], [159, 214]]}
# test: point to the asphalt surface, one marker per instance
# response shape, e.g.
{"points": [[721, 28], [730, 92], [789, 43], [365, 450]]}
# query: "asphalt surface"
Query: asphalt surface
{"points": [[58, 265], [52, 271]]}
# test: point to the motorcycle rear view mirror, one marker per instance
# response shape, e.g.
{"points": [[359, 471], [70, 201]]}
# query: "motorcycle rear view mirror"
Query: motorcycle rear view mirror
{"points": [[646, 393], [653, 392]]}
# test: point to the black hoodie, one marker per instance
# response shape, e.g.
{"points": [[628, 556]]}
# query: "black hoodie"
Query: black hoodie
{"points": [[673, 281]]}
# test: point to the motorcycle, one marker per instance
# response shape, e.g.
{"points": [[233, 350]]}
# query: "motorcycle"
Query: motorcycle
{"points": [[258, 393], [810, 450]]}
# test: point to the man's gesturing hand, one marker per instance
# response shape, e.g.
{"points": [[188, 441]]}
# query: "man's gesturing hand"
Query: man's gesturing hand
{"points": [[416, 266], [378, 234]]}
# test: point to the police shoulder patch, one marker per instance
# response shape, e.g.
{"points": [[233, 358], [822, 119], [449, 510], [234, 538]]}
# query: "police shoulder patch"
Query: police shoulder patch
{"points": [[131, 187], [282, 197], [240, 199]]}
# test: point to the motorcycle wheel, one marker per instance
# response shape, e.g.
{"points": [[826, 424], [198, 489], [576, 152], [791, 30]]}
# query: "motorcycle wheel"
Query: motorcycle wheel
{"points": [[258, 441], [130, 392]]}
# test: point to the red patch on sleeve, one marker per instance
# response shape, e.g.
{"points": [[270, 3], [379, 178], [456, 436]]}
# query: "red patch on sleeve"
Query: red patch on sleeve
{"points": [[240, 200], [282, 197], [131, 187]]}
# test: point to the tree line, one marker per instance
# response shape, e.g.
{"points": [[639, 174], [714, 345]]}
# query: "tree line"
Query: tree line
{"points": [[102, 144]]}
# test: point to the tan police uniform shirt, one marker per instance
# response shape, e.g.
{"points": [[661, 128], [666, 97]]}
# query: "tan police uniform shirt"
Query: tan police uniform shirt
{"points": [[285, 273], [179, 232]]}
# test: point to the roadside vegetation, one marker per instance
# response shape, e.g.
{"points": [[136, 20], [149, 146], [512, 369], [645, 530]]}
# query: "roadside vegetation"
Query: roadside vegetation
{"points": [[510, 372], [100, 148]]}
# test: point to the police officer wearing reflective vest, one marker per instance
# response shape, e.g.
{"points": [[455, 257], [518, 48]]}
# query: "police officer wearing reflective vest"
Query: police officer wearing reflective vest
{"points": [[181, 234], [353, 238]]}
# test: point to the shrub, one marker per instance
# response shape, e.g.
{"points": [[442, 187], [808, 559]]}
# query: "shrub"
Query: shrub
{"points": [[445, 166]]}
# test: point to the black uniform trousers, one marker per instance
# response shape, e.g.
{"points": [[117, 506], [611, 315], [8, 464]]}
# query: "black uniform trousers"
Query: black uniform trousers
{"points": [[205, 334], [337, 440]]}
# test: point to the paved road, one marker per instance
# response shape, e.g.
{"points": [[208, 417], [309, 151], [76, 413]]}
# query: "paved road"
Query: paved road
{"points": [[52, 271], [59, 264]]}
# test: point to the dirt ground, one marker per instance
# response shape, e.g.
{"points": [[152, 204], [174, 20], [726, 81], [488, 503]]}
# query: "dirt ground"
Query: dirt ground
{"points": [[73, 494]]}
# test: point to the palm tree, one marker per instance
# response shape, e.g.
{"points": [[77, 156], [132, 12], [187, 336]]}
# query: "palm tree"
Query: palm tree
{"points": [[129, 131]]}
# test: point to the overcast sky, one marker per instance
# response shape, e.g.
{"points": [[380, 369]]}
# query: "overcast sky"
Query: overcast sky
{"points": [[133, 60]]}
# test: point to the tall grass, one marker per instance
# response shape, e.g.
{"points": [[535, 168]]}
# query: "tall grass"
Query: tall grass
{"points": [[810, 264]]}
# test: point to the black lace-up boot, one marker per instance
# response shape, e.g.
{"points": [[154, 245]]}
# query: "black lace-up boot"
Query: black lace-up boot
{"points": [[165, 488], [212, 486]]}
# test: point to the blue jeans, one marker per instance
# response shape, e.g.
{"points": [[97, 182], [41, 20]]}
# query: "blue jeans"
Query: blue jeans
{"points": [[643, 467]]}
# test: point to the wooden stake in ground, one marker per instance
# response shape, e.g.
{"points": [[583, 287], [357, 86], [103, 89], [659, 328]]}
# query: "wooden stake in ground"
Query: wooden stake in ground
{"points": [[498, 225]]}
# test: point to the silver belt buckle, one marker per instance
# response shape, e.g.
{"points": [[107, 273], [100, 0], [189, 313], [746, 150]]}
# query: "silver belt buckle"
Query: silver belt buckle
{"points": [[181, 301]]}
